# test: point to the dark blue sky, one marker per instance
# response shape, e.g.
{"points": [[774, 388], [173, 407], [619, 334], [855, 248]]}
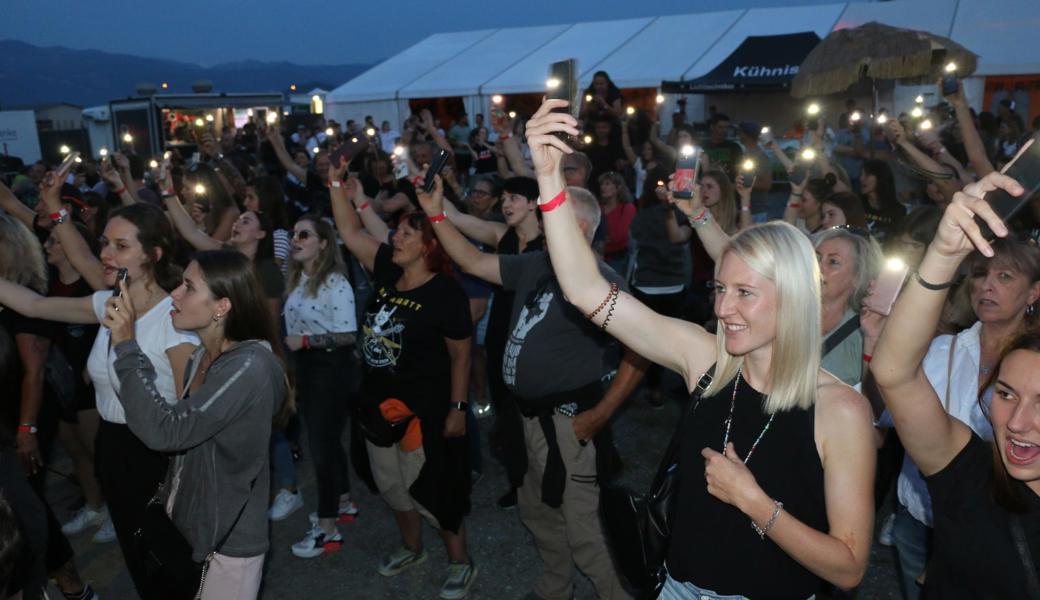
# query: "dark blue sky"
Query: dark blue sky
{"points": [[302, 31]]}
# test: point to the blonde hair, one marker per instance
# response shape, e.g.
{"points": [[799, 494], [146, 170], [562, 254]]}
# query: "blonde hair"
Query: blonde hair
{"points": [[22, 260], [784, 255], [867, 261]]}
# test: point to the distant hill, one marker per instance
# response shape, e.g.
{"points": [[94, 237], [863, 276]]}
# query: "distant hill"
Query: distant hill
{"points": [[33, 76]]}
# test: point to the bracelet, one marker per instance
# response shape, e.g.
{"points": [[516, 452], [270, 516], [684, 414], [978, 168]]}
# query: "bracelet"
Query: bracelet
{"points": [[935, 287], [552, 204], [26, 428], [336, 183], [438, 218], [362, 207], [867, 357], [59, 217], [602, 305], [119, 192], [167, 193], [794, 205], [745, 208], [610, 311], [797, 194], [505, 137], [700, 220], [762, 531], [305, 342]]}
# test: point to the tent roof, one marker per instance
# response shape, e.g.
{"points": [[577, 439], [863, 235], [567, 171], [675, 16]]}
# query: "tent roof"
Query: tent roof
{"points": [[666, 48], [384, 80], [643, 52], [464, 74], [589, 43]]}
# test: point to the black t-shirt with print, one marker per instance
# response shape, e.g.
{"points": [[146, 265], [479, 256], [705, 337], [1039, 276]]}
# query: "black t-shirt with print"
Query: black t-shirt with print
{"points": [[402, 338], [974, 552]]}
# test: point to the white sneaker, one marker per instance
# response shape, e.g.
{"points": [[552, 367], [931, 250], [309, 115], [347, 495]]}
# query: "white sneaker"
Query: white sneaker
{"points": [[285, 504], [106, 533], [316, 543], [347, 513], [85, 518]]}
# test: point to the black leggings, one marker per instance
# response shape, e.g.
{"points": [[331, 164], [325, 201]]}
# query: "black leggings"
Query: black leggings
{"points": [[129, 473], [325, 381]]}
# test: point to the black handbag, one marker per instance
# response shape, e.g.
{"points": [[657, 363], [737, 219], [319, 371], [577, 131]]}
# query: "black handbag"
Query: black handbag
{"points": [[637, 526]]}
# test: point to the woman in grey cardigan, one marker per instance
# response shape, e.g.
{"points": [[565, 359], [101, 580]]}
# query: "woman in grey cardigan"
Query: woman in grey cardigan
{"points": [[216, 488]]}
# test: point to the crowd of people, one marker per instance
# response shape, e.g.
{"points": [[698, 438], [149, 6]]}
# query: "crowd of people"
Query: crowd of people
{"points": [[180, 329]]}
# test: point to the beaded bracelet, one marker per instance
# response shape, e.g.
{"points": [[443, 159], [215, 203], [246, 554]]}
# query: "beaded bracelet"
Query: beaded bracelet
{"points": [[762, 531], [610, 311], [602, 305]]}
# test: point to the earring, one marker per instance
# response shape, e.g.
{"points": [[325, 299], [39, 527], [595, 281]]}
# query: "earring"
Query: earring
{"points": [[1031, 310], [217, 317]]}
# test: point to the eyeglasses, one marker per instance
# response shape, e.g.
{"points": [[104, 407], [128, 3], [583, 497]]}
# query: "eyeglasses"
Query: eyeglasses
{"points": [[858, 231], [479, 193], [303, 234]]}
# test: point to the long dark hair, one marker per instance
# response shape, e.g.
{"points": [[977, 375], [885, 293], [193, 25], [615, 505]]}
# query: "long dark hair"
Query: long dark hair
{"points": [[230, 274], [271, 197], [265, 245], [155, 235], [1002, 484], [885, 187], [219, 199]]}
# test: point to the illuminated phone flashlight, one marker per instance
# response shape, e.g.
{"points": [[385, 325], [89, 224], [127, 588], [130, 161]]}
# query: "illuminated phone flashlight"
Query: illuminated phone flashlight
{"points": [[951, 67], [925, 125], [630, 111], [370, 132], [855, 117], [249, 112], [209, 118], [660, 99], [552, 83], [128, 138], [882, 119], [79, 160], [895, 264], [199, 122], [166, 155], [808, 155], [687, 150], [917, 113], [813, 109], [154, 164], [329, 132], [748, 165], [285, 112], [496, 99], [587, 139], [588, 97], [316, 150], [660, 183], [398, 150], [512, 114], [765, 131], [919, 99], [200, 189], [103, 152], [64, 149], [272, 117], [353, 140]]}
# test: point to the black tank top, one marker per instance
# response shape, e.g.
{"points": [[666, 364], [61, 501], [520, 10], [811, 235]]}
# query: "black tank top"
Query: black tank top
{"points": [[713, 545], [502, 304]]}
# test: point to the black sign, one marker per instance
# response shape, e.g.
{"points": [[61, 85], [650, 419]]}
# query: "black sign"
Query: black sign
{"points": [[760, 63]]}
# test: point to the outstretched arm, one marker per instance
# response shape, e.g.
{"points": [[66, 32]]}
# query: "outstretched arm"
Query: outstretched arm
{"points": [[362, 245], [75, 247], [274, 135], [466, 255], [970, 135], [639, 328], [931, 436], [14, 207]]}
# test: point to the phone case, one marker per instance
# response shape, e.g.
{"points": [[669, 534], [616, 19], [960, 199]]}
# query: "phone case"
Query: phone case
{"points": [[685, 174], [438, 165], [1025, 169], [886, 290]]}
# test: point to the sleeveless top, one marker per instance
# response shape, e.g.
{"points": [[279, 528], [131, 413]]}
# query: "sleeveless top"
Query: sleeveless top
{"points": [[713, 545], [502, 304]]}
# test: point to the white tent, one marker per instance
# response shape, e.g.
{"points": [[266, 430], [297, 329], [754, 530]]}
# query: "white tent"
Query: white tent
{"points": [[643, 52]]}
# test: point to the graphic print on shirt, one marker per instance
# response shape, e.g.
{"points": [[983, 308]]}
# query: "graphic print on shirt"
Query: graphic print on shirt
{"points": [[530, 315], [382, 343]]}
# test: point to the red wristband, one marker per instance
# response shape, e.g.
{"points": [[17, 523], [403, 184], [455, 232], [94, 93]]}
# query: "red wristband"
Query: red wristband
{"points": [[794, 205], [438, 218], [26, 429], [867, 357], [552, 204], [119, 192], [304, 341], [362, 207]]}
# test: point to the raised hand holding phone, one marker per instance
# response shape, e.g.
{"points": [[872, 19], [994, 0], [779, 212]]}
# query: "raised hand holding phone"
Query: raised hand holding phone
{"points": [[1024, 169], [958, 234], [543, 130]]}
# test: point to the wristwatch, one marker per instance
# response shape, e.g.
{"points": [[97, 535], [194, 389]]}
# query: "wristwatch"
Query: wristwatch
{"points": [[460, 406]]}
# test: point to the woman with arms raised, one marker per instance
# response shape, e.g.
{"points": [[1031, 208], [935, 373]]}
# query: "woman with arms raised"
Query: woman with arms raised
{"points": [[985, 495], [777, 466]]}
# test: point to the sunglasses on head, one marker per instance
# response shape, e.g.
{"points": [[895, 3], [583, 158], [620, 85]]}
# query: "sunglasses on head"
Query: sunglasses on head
{"points": [[858, 231]]}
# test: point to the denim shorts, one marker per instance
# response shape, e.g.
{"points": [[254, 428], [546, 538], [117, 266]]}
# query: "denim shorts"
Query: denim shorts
{"points": [[684, 590]]}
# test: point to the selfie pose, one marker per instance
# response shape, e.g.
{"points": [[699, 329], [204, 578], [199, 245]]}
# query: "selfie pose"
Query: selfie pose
{"points": [[776, 463], [984, 494]]}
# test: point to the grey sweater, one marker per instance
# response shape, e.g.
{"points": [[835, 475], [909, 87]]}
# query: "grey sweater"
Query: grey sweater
{"points": [[220, 435]]}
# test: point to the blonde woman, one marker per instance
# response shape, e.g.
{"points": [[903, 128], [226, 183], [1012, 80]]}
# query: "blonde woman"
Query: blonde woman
{"points": [[777, 465]]}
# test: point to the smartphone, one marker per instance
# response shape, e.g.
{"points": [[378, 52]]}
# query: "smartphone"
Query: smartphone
{"points": [[1025, 169], [686, 173], [122, 275], [889, 283], [747, 173], [438, 164], [401, 165], [349, 149], [765, 137], [950, 84], [563, 85], [69, 161]]}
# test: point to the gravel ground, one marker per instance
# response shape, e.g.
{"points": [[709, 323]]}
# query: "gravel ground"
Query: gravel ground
{"points": [[500, 545]]}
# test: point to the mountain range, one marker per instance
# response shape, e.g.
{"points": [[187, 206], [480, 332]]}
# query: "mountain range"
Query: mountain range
{"points": [[33, 76]]}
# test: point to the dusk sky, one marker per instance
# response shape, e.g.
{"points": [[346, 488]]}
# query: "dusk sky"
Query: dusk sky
{"points": [[303, 31]]}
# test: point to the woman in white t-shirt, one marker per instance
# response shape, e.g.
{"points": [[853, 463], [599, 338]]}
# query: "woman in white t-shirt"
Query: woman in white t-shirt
{"points": [[320, 325], [139, 239]]}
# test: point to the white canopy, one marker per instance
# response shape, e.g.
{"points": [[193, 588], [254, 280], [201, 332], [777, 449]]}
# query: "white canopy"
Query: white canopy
{"points": [[643, 52]]}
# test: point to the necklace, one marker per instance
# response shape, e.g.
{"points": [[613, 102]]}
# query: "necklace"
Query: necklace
{"points": [[729, 422]]}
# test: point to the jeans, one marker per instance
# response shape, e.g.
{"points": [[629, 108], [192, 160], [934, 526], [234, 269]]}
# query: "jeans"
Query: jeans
{"points": [[282, 464], [324, 382], [912, 540], [684, 590]]}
